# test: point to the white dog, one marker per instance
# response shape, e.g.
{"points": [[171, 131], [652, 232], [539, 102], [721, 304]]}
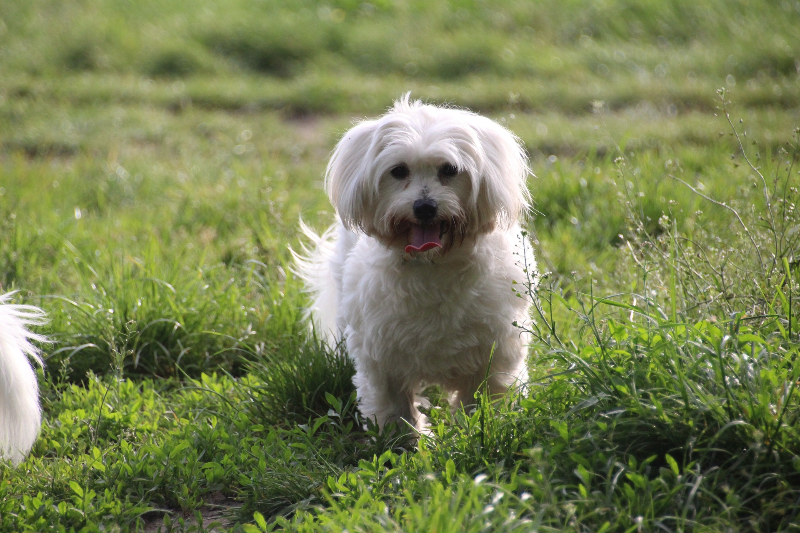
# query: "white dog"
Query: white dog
{"points": [[417, 273], [20, 414]]}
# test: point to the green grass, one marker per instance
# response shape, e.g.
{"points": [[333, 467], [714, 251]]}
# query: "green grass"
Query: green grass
{"points": [[155, 160]]}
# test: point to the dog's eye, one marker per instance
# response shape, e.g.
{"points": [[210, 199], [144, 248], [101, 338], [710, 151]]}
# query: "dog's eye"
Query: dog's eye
{"points": [[400, 172], [447, 170]]}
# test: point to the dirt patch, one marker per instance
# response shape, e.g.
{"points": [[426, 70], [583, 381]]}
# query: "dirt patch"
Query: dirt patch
{"points": [[215, 515]]}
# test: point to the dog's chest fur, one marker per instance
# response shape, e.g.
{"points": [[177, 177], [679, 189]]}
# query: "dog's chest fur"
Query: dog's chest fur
{"points": [[430, 319]]}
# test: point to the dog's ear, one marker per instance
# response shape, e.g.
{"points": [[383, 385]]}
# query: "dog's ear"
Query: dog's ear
{"points": [[347, 179], [501, 189]]}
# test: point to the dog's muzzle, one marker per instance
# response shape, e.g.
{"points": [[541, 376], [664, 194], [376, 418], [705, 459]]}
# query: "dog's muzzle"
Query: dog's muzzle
{"points": [[426, 234]]}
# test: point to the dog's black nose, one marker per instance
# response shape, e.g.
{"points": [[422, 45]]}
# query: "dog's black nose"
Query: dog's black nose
{"points": [[425, 210]]}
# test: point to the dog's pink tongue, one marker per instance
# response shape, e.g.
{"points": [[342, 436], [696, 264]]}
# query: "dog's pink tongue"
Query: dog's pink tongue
{"points": [[423, 238]]}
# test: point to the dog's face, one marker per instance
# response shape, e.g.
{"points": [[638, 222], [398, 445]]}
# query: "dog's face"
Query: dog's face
{"points": [[423, 179]]}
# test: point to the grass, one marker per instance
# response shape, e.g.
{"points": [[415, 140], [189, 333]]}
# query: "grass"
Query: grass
{"points": [[155, 160]]}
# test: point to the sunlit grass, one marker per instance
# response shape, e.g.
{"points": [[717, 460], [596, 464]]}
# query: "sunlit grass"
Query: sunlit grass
{"points": [[155, 160]]}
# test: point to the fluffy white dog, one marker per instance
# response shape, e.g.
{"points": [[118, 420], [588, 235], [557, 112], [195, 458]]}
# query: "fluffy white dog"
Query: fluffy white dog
{"points": [[20, 414], [417, 273]]}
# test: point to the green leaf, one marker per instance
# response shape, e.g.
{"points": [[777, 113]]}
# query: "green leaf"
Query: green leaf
{"points": [[749, 337], [562, 428], [673, 464], [178, 449], [334, 402], [449, 470], [367, 466], [317, 423], [583, 475], [77, 489], [580, 460], [259, 519], [387, 456]]}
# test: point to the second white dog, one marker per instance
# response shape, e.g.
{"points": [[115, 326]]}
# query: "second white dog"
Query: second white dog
{"points": [[417, 275], [20, 414]]}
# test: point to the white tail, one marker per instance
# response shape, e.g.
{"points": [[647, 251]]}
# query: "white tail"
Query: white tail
{"points": [[20, 414], [316, 265]]}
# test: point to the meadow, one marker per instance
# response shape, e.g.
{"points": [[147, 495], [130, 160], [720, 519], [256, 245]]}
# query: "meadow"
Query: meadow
{"points": [[156, 159]]}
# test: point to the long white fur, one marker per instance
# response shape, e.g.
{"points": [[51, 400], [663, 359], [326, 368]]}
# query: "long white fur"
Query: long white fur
{"points": [[20, 413], [428, 317]]}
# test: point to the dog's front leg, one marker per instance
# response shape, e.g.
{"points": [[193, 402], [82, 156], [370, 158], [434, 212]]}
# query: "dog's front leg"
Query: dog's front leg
{"points": [[385, 397], [508, 370]]}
